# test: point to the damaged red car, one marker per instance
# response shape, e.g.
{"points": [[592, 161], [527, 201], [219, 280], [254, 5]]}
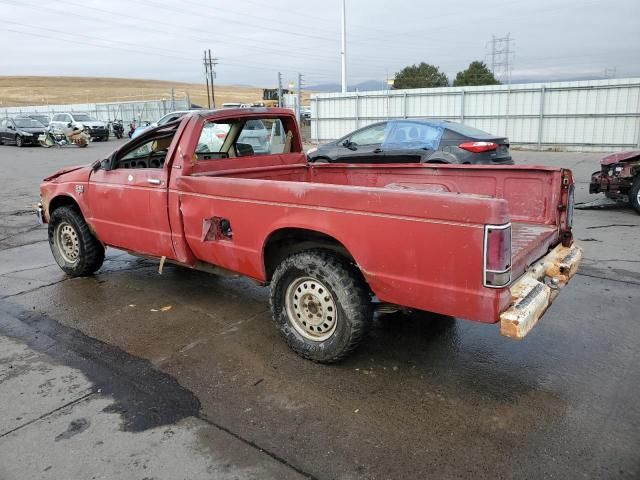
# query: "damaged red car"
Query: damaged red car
{"points": [[619, 178]]}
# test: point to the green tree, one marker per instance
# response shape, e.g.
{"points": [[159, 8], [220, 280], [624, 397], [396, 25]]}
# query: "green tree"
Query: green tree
{"points": [[477, 73], [420, 76]]}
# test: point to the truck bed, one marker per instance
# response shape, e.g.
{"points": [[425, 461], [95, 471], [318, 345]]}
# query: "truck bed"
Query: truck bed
{"points": [[531, 202]]}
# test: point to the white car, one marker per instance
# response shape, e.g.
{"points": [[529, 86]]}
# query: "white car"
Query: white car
{"points": [[97, 129], [169, 117]]}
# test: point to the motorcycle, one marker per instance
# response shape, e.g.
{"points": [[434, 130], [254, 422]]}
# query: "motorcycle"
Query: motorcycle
{"points": [[73, 135], [118, 128]]}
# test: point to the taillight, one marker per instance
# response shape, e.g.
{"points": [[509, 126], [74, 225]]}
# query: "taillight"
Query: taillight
{"points": [[478, 147], [497, 255], [570, 206]]}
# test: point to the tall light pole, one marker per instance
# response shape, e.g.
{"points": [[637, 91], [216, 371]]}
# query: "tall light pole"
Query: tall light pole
{"points": [[344, 47]]}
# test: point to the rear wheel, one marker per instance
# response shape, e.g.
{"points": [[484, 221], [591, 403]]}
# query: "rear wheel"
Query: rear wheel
{"points": [[19, 142], [634, 194], [321, 160], [76, 250], [320, 305]]}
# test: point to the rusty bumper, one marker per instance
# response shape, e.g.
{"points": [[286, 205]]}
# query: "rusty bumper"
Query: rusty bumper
{"points": [[537, 288]]}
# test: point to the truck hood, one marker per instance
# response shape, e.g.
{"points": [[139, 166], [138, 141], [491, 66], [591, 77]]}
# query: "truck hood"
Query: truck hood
{"points": [[93, 124], [66, 170], [620, 157]]}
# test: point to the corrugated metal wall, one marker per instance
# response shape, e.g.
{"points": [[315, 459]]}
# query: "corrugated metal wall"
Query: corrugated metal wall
{"points": [[597, 115], [150, 110]]}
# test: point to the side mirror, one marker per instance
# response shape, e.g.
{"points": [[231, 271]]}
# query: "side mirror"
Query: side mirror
{"points": [[350, 145], [11, 127], [69, 125], [104, 164]]}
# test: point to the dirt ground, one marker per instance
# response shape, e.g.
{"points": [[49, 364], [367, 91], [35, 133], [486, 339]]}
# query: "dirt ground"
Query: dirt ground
{"points": [[88, 360]]}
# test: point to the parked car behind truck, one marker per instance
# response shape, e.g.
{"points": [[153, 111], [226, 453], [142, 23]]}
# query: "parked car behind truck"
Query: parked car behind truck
{"points": [[416, 141], [20, 131], [95, 129], [336, 242]]}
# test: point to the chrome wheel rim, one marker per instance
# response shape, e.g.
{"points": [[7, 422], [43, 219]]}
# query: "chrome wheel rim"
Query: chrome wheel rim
{"points": [[67, 242], [311, 309]]}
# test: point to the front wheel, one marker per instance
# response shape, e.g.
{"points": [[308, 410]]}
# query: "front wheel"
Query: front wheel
{"points": [[19, 141], [76, 250], [634, 194], [321, 305]]}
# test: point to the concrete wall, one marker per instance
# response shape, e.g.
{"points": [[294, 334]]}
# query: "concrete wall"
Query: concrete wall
{"points": [[597, 115]]}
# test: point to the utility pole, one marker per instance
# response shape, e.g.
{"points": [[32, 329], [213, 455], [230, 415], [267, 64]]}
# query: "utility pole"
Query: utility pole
{"points": [[299, 110], [212, 63], [209, 75], [206, 78], [501, 57], [344, 47], [279, 89]]}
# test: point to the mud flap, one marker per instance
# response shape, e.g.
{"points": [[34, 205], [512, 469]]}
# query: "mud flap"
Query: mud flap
{"points": [[535, 290]]}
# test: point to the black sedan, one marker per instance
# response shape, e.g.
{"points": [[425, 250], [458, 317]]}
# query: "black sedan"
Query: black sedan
{"points": [[415, 141], [20, 131]]}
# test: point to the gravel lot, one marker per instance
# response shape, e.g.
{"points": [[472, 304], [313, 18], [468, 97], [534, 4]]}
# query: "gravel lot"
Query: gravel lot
{"points": [[206, 389]]}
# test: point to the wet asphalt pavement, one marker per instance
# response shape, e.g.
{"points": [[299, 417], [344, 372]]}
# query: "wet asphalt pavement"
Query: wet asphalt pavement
{"points": [[425, 397]]}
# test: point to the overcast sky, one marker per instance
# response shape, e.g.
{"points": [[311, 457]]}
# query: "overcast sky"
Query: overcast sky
{"points": [[254, 39]]}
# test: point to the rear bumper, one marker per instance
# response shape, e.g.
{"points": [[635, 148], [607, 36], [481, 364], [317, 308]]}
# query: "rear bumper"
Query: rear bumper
{"points": [[98, 133], [537, 288]]}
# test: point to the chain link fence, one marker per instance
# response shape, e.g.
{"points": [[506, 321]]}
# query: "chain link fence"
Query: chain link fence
{"points": [[140, 111]]}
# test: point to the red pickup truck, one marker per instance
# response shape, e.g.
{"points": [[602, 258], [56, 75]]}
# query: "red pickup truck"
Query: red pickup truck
{"points": [[335, 241]]}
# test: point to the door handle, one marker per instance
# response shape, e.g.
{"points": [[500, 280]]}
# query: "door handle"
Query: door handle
{"points": [[377, 150], [154, 181]]}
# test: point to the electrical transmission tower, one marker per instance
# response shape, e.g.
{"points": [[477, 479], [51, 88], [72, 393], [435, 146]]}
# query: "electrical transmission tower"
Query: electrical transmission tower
{"points": [[209, 75], [501, 57]]}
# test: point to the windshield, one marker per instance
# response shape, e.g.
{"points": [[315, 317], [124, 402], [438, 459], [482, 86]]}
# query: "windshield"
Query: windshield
{"points": [[27, 123], [83, 117]]}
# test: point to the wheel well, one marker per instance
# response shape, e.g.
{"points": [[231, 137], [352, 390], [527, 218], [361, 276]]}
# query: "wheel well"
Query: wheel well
{"points": [[61, 201], [286, 241]]}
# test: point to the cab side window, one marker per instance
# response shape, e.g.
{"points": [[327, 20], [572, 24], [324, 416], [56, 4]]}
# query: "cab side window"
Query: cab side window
{"points": [[150, 154], [243, 138]]}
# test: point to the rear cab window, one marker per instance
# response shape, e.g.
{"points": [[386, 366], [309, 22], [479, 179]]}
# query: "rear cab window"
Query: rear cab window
{"points": [[242, 138]]}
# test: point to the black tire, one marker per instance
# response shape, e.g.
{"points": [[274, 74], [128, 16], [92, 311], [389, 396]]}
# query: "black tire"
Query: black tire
{"points": [[321, 160], [634, 194], [82, 253], [347, 291], [19, 142]]}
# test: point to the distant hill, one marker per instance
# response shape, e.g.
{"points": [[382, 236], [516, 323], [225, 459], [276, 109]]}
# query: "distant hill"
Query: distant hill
{"points": [[17, 91], [381, 85], [362, 86]]}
